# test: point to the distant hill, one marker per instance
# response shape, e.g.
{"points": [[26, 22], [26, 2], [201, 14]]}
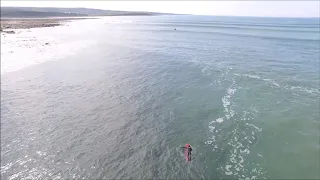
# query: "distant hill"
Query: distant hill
{"points": [[38, 12]]}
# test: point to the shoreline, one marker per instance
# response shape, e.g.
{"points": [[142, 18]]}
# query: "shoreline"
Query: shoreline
{"points": [[8, 25]]}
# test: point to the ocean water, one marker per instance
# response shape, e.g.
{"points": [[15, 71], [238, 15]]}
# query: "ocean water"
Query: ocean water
{"points": [[117, 97]]}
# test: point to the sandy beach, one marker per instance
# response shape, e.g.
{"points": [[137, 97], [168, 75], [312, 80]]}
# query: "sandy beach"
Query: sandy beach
{"points": [[25, 42], [7, 25]]}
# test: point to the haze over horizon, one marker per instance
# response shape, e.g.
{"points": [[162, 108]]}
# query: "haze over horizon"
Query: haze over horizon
{"points": [[218, 8]]}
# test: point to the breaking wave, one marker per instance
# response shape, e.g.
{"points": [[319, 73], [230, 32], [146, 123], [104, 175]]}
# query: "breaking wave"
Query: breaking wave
{"points": [[233, 135]]}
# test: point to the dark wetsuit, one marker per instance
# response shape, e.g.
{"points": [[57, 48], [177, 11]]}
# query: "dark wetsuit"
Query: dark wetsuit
{"points": [[189, 153]]}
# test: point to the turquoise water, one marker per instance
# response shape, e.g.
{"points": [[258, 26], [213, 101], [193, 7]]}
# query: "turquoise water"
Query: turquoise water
{"points": [[244, 92]]}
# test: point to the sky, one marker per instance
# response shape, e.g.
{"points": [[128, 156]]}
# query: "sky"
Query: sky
{"points": [[222, 8]]}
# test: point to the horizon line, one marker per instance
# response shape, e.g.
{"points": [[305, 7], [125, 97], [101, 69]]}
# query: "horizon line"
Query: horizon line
{"points": [[170, 13]]}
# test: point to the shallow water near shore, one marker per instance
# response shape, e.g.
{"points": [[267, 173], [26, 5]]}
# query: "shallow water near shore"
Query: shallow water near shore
{"points": [[116, 97]]}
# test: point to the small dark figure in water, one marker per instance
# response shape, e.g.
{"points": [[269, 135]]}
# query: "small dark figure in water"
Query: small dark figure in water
{"points": [[188, 147], [175, 29]]}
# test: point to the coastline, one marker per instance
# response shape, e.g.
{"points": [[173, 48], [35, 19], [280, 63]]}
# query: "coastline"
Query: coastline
{"points": [[25, 41], [8, 25]]}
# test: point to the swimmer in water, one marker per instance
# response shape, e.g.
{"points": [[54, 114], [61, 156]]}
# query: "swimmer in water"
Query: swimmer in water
{"points": [[189, 149]]}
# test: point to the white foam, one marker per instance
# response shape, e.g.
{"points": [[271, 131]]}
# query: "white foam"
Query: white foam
{"points": [[41, 153], [219, 120], [228, 171], [239, 145], [241, 161], [252, 76], [211, 128], [237, 165], [228, 116], [213, 138], [231, 91], [245, 151], [312, 91], [6, 167], [226, 102], [276, 84], [259, 129], [273, 82], [233, 160], [231, 113]]}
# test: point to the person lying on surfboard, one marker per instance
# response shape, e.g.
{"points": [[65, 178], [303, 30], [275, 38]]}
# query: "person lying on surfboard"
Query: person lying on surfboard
{"points": [[187, 152]]}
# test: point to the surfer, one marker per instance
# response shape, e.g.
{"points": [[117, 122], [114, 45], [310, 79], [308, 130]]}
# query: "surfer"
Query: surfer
{"points": [[188, 150]]}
